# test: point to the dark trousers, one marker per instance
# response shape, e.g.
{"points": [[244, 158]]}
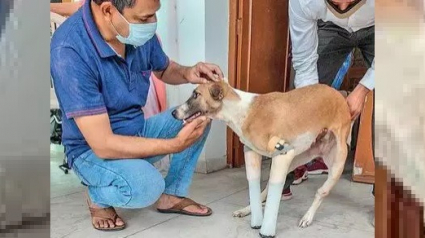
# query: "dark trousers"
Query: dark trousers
{"points": [[335, 43]]}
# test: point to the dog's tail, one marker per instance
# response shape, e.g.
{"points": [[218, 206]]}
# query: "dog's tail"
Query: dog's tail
{"points": [[349, 134]]}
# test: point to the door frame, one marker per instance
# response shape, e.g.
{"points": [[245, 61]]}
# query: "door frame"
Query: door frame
{"points": [[239, 44]]}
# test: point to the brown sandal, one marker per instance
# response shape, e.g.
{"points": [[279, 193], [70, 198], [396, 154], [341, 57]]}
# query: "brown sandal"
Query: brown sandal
{"points": [[106, 214], [178, 208]]}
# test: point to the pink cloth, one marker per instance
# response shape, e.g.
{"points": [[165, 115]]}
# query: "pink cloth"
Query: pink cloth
{"points": [[157, 96], [160, 91], [152, 106]]}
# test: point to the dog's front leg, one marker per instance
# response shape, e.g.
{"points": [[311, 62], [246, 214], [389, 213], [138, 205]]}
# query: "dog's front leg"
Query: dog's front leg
{"points": [[278, 172], [253, 174]]}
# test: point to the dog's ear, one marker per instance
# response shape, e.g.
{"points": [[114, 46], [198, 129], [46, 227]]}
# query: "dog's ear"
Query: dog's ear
{"points": [[216, 91]]}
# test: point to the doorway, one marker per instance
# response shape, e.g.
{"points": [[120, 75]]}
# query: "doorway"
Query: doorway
{"points": [[259, 55]]}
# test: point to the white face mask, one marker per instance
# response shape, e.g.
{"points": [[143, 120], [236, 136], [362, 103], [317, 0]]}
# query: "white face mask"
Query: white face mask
{"points": [[139, 34]]}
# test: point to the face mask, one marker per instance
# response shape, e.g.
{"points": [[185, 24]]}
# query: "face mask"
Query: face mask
{"points": [[139, 34]]}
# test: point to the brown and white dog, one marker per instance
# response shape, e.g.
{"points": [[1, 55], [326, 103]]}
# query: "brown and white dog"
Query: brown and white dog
{"points": [[292, 128]]}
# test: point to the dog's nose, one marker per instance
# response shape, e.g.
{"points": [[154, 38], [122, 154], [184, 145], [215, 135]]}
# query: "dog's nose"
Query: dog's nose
{"points": [[174, 113]]}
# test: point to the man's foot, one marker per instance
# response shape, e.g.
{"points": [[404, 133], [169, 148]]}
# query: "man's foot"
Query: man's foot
{"points": [[286, 194], [300, 175], [172, 204], [105, 219], [317, 166]]}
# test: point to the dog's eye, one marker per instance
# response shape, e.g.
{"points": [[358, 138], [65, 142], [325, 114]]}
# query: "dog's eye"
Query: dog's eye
{"points": [[195, 95]]}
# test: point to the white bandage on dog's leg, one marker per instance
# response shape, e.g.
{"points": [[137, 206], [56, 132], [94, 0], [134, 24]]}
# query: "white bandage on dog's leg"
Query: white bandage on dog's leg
{"points": [[255, 203], [268, 228], [278, 172], [253, 175]]}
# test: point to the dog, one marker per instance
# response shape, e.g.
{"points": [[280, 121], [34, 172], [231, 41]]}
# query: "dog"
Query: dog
{"points": [[292, 128]]}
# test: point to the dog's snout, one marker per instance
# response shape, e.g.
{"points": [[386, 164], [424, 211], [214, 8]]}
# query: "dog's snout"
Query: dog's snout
{"points": [[174, 113]]}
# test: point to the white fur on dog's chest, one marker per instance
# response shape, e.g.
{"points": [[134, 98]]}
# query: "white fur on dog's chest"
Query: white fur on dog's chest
{"points": [[234, 114]]}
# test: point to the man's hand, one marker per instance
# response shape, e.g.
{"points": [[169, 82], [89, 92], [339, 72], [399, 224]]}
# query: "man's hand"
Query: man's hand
{"points": [[190, 133], [356, 100], [202, 73]]}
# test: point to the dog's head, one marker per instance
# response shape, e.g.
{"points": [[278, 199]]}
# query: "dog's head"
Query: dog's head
{"points": [[206, 100]]}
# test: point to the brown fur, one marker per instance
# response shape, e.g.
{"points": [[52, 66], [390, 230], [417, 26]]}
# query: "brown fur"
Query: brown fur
{"points": [[287, 115], [282, 115]]}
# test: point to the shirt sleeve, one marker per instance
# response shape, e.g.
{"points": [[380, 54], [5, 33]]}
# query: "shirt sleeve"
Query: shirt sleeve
{"points": [[304, 40], [368, 79], [158, 59], [75, 84]]}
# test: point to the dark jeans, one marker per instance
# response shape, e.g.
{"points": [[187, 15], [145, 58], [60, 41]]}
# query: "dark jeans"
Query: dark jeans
{"points": [[335, 43]]}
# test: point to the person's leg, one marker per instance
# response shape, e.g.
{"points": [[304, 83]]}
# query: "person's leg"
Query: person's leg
{"points": [[365, 39], [183, 164], [335, 44], [125, 183]]}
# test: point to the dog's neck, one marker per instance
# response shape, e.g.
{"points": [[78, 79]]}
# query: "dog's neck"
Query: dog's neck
{"points": [[235, 110]]}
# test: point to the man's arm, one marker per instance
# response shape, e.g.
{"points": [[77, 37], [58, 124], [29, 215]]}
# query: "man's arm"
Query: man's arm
{"points": [[65, 9], [356, 99], [304, 40], [105, 144], [176, 74], [172, 73], [368, 79]]}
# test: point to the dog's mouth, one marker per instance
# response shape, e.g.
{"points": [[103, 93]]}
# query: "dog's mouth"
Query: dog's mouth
{"points": [[193, 117]]}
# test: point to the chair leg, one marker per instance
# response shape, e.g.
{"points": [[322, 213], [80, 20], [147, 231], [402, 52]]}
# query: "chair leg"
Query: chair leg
{"points": [[64, 167]]}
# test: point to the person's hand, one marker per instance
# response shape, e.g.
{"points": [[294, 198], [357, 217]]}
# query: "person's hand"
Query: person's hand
{"points": [[190, 133], [203, 72], [356, 100]]}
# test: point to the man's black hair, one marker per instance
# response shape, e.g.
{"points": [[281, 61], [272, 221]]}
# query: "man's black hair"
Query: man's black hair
{"points": [[119, 4]]}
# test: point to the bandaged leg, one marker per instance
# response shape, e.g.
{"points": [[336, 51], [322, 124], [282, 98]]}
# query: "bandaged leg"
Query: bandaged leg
{"points": [[247, 210], [253, 175], [278, 172]]}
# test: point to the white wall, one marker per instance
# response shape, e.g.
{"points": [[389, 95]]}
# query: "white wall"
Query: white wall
{"points": [[193, 31], [216, 51]]}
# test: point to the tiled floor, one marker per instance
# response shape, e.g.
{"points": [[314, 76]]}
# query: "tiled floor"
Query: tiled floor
{"points": [[346, 212]]}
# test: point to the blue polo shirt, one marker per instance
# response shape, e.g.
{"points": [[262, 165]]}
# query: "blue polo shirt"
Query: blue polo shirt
{"points": [[90, 78]]}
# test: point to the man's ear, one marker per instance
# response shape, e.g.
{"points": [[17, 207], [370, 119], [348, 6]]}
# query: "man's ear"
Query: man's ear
{"points": [[107, 9], [216, 91]]}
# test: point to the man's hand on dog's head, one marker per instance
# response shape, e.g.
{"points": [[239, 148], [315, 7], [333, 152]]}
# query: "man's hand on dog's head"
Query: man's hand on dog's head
{"points": [[203, 73], [190, 133]]}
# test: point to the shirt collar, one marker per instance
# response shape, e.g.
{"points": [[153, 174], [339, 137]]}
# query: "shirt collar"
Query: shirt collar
{"points": [[99, 43]]}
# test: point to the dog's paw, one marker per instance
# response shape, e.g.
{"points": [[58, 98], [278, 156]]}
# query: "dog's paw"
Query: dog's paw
{"points": [[241, 213], [265, 236], [306, 221]]}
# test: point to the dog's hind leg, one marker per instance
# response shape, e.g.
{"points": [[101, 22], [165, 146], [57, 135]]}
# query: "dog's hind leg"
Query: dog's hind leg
{"points": [[335, 162], [247, 210], [278, 172], [253, 175]]}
